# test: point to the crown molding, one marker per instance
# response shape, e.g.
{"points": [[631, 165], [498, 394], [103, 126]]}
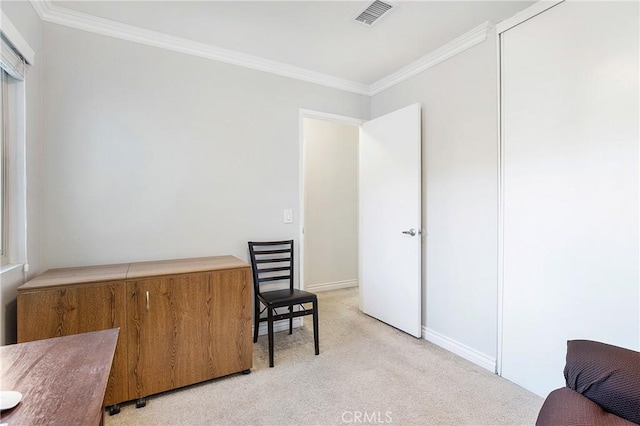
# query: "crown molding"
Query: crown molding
{"points": [[85, 22], [528, 13], [82, 21], [460, 44], [15, 38]]}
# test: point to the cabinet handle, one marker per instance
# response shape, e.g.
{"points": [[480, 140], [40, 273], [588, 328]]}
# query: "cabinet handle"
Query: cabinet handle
{"points": [[147, 300]]}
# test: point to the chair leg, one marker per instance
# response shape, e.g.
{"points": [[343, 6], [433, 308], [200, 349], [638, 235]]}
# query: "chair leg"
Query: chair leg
{"points": [[256, 319], [270, 331], [316, 337], [290, 320]]}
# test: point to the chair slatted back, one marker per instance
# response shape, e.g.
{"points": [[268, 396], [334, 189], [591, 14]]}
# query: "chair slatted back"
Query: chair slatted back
{"points": [[271, 262]]}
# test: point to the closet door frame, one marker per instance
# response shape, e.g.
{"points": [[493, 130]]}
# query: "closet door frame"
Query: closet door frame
{"points": [[501, 28]]}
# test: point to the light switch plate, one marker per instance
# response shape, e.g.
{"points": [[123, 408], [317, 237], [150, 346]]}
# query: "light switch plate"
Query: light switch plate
{"points": [[288, 216]]}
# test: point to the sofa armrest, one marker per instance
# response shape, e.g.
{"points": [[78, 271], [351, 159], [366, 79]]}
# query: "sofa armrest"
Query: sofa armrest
{"points": [[566, 407], [608, 375]]}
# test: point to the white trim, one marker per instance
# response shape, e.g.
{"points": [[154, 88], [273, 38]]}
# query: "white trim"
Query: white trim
{"points": [[460, 44], [332, 286], [460, 349], [500, 236], [302, 146], [25, 186], [308, 113], [526, 14], [107, 27], [85, 22], [282, 325], [16, 39], [40, 7], [5, 269]]}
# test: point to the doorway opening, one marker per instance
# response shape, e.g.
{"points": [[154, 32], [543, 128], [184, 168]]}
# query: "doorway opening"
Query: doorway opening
{"points": [[329, 147]]}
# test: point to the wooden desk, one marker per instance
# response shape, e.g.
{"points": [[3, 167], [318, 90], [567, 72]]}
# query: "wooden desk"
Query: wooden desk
{"points": [[62, 380]]}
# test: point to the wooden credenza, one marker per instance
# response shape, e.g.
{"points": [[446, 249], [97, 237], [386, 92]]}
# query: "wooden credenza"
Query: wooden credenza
{"points": [[181, 321]]}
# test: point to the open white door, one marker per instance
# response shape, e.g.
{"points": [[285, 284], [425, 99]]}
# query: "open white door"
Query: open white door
{"points": [[390, 219]]}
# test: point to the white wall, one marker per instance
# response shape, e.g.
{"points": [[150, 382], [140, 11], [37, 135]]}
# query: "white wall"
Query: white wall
{"points": [[330, 204], [152, 154], [23, 17], [459, 136]]}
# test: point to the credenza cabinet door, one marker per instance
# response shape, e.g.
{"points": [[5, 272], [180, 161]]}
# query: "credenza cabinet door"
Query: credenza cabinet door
{"points": [[64, 311], [188, 328], [231, 343]]}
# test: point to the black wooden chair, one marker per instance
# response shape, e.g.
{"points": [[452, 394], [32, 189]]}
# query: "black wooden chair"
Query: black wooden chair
{"points": [[272, 264]]}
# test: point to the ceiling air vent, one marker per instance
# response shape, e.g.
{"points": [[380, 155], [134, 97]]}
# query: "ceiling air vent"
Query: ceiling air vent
{"points": [[374, 12]]}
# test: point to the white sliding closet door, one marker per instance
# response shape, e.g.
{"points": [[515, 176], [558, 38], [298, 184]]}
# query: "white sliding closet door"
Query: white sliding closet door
{"points": [[570, 131]]}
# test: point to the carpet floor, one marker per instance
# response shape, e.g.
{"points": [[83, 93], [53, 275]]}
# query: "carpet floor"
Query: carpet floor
{"points": [[366, 373]]}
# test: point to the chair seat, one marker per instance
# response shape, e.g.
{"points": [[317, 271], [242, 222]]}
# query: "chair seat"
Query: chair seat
{"points": [[286, 297]]}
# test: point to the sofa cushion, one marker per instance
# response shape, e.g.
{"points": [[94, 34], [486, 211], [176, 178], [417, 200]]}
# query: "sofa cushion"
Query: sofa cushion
{"points": [[567, 407], [607, 375]]}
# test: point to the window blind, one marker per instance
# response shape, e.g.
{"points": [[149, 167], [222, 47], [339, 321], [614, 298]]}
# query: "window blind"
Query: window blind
{"points": [[11, 61]]}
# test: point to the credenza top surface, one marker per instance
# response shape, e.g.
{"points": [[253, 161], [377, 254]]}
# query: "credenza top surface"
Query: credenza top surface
{"points": [[183, 266], [78, 275], [125, 271]]}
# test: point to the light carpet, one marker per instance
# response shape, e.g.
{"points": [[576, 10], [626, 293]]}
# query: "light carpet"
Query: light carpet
{"points": [[367, 373]]}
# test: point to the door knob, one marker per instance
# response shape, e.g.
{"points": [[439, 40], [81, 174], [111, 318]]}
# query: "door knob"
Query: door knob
{"points": [[411, 232]]}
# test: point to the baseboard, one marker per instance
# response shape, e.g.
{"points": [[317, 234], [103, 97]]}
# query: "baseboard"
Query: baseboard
{"points": [[460, 349], [315, 288], [282, 325]]}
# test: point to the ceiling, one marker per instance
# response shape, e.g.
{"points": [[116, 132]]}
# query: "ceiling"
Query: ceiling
{"points": [[320, 36]]}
